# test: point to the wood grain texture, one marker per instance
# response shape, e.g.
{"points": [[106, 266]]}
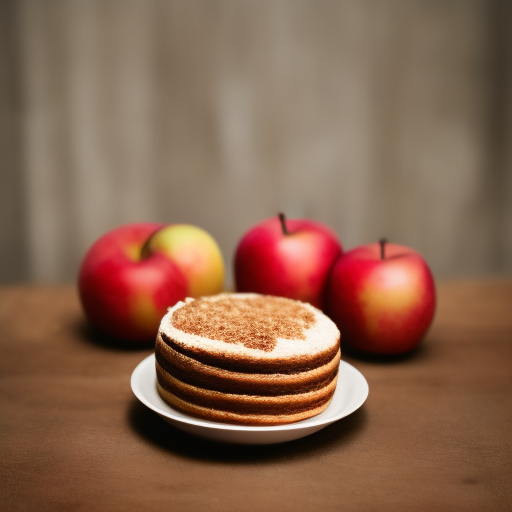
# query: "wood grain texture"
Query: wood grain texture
{"points": [[390, 118], [434, 433]]}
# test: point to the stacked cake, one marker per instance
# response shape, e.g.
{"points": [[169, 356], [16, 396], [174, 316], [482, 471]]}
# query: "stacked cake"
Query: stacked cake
{"points": [[247, 359]]}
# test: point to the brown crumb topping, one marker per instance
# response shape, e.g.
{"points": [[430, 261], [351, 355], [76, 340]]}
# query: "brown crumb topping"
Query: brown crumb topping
{"points": [[255, 322]]}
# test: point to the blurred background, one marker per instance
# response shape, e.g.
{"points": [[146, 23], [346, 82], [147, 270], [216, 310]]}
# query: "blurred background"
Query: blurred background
{"points": [[381, 118]]}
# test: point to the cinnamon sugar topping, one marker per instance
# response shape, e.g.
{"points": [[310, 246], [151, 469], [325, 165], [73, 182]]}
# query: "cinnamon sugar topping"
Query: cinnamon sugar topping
{"points": [[255, 322]]}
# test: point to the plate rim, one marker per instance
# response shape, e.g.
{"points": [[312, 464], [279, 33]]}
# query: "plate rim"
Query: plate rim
{"points": [[193, 421]]}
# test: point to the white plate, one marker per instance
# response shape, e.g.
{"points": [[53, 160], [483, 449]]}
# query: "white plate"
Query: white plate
{"points": [[350, 394]]}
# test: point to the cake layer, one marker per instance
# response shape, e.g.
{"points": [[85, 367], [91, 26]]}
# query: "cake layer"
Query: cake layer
{"points": [[245, 404], [251, 333], [194, 372], [252, 363], [236, 418]]}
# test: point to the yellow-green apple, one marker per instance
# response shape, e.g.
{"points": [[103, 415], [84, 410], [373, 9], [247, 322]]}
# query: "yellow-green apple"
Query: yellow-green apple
{"points": [[196, 254], [382, 297], [126, 284], [289, 258]]}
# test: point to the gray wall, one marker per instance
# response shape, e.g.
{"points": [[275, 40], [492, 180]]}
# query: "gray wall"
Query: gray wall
{"points": [[379, 118]]}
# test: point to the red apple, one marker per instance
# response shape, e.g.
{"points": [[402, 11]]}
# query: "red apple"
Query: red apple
{"points": [[289, 258], [132, 274], [382, 297]]}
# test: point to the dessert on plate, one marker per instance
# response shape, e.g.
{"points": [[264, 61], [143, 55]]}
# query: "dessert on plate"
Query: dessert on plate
{"points": [[247, 359]]}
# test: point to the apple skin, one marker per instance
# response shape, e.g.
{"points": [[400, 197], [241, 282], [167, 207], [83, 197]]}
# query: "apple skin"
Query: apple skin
{"points": [[381, 306], [293, 265], [123, 294], [196, 254]]}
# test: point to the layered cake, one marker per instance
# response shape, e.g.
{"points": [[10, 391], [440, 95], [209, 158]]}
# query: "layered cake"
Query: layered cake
{"points": [[247, 359]]}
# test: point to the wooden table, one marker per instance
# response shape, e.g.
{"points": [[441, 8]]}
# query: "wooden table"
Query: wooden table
{"points": [[434, 434]]}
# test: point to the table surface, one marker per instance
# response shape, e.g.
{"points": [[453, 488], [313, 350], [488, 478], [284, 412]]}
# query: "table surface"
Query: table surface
{"points": [[435, 432]]}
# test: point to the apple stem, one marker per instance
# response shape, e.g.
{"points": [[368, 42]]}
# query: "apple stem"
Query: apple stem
{"points": [[282, 218], [382, 242], [144, 252]]}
